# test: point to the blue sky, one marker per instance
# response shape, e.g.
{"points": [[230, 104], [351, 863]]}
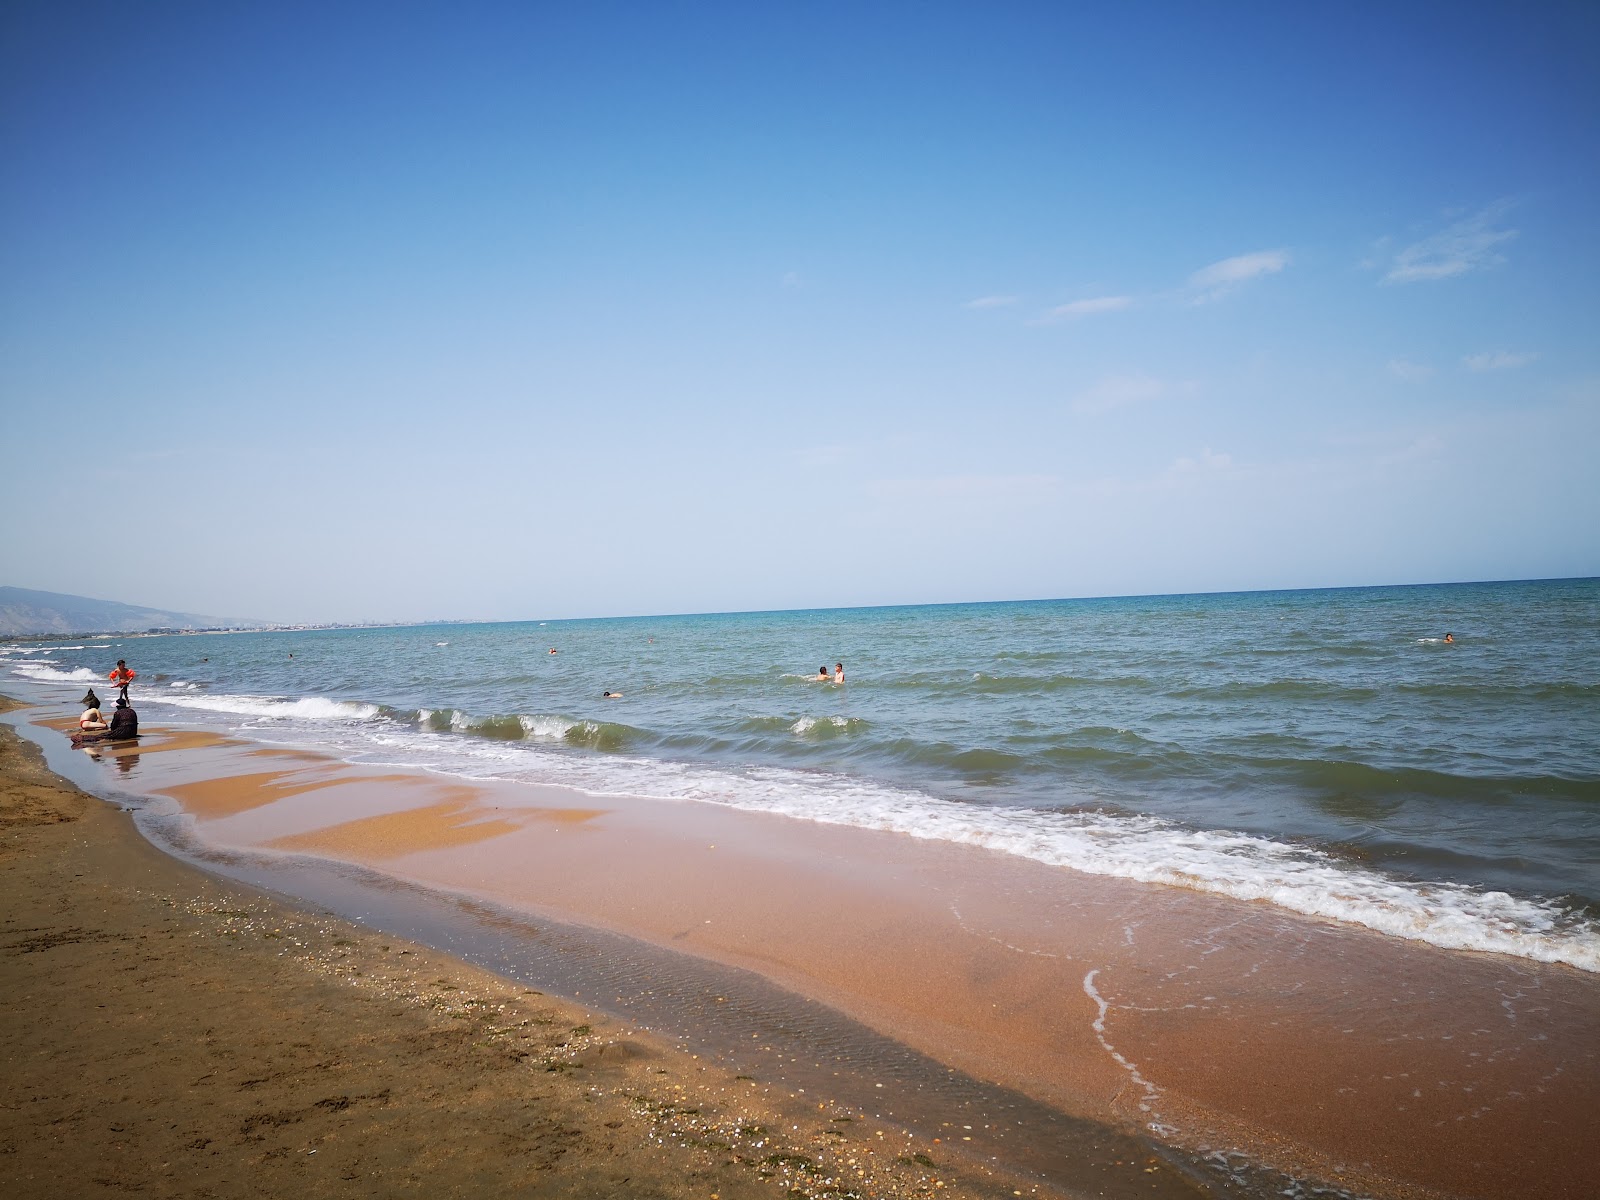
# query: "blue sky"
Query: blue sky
{"points": [[362, 311]]}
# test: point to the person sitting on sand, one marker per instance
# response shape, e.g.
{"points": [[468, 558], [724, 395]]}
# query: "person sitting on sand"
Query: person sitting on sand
{"points": [[122, 677], [92, 721], [90, 700], [124, 722], [838, 672]]}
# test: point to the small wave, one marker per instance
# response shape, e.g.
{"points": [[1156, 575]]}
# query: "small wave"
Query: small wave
{"points": [[536, 727], [829, 726], [441, 643], [313, 708], [1032, 684], [601, 735], [30, 670], [1278, 689]]}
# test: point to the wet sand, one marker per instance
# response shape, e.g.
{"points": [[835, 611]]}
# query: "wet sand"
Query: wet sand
{"points": [[170, 1034], [1382, 1066]]}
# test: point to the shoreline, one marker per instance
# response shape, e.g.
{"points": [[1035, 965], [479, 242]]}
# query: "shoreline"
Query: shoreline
{"points": [[1122, 1004], [169, 1029]]}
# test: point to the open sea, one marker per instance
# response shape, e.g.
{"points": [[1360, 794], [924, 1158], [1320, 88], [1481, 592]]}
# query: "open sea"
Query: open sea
{"points": [[1324, 751]]}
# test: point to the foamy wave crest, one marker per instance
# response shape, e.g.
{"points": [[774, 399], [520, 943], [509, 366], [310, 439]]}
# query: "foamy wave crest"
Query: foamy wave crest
{"points": [[1150, 850], [307, 708], [547, 728], [1142, 848], [52, 675], [821, 726]]}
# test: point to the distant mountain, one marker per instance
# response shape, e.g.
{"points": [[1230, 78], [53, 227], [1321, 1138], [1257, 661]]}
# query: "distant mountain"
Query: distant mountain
{"points": [[24, 612]]}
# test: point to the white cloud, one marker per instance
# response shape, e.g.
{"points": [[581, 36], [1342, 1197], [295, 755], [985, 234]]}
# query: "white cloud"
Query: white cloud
{"points": [[1499, 361], [1465, 245], [1410, 371], [992, 302], [1114, 391], [1004, 490], [1207, 460], [1220, 278], [1088, 308]]}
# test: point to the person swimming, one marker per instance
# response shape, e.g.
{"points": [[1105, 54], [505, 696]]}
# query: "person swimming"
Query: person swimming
{"points": [[822, 674], [611, 695], [838, 672], [1449, 637]]}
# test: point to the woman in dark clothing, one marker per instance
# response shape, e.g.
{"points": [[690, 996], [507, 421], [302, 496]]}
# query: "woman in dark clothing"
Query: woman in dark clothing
{"points": [[124, 722]]}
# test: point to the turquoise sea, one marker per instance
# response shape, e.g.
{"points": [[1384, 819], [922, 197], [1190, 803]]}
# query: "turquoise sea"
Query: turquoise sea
{"points": [[1325, 751]]}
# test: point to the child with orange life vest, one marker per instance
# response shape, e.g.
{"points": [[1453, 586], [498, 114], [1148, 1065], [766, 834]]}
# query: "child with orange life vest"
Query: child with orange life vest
{"points": [[122, 677]]}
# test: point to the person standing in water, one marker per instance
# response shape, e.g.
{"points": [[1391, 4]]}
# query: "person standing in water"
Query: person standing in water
{"points": [[122, 677], [838, 672]]}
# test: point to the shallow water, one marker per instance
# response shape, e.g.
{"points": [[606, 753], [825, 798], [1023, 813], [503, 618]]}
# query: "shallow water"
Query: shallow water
{"points": [[1321, 750]]}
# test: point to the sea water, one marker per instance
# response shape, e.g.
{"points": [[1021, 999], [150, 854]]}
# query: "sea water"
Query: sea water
{"points": [[1324, 751]]}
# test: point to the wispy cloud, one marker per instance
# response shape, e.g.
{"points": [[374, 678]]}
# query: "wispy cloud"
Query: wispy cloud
{"points": [[1462, 246], [1206, 461], [1115, 391], [1498, 361], [992, 302], [1002, 490], [1087, 308], [1220, 278], [1410, 371]]}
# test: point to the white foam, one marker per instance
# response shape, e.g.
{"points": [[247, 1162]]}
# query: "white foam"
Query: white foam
{"points": [[1241, 866], [1142, 848], [77, 675], [807, 724], [313, 708], [547, 728]]}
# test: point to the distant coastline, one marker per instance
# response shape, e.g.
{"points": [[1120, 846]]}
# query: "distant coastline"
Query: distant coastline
{"points": [[213, 625]]}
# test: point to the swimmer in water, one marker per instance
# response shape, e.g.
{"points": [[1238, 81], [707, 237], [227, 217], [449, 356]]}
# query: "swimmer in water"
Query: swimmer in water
{"points": [[1449, 637], [822, 674], [611, 695], [838, 672]]}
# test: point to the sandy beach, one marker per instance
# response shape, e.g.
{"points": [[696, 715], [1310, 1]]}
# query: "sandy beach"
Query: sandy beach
{"points": [[1042, 1023], [169, 1034]]}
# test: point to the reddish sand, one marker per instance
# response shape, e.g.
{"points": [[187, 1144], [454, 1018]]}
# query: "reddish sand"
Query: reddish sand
{"points": [[1369, 1061]]}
